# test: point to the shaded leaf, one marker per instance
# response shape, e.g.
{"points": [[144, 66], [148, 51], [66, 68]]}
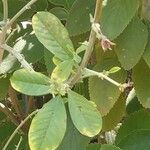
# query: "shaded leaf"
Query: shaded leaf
{"points": [[139, 140], [77, 23], [137, 121], [141, 74], [133, 106], [66, 3], [48, 126], [125, 10], [59, 12], [102, 147], [131, 44], [30, 82], [84, 115], [146, 54], [102, 92], [48, 58], [73, 139], [115, 115]]}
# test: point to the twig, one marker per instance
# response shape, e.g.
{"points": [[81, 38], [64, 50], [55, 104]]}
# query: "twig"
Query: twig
{"points": [[89, 50], [18, 128], [10, 35], [27, 6], [4, 31], [9, 23], [5, 11], [101, 75], [20, 58], [8, 113], [15, 102], [18, 145]]}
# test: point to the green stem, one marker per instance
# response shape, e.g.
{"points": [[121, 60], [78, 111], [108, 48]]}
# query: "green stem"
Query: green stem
{"points": [[101, 75], [19, 56], [5, 11], [18, 128]]}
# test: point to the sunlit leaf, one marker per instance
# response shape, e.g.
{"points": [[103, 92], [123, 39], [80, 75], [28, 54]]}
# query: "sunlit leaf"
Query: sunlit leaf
{"points": [[48, 126], [84, 115]]}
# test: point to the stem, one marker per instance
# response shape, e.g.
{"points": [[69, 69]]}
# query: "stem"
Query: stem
{"points": [[15, 102], [27, 6], [103, 76], [5, 11], [18, 128], [19, 56], [8, 113], [88, 52], [18, 145], [9, 23], [4, 31]]}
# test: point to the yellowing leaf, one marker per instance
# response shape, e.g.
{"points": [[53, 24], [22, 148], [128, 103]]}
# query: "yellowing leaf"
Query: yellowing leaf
{"points": [[84, 115]]}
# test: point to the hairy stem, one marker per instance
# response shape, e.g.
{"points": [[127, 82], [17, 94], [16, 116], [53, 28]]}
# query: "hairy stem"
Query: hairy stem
{"points": [[18, 128], [27, 6], [89, 50], [101, 75], [20, 57]]}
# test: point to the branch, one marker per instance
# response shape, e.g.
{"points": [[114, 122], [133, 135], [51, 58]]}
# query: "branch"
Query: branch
{"points": [[4, 22], [8, 113], [20, 58], [89, 73], [89, 50], [5, 11], [15, 102], [27, 6], [18, 128]]}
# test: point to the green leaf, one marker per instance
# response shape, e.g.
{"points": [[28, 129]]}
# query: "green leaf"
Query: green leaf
{"points": [[40, 5], [53, 35], [115, 115], [62, 71], [73, 139], [13, 8], [137, 121], [48, 58], [141, 74], [114, 69], [77, 23], [4, 85], [102, 92], [131, 44], [146, 54], [66, 3], [30, 82], [133, 106], [102, 147], [139, 140], [84, 115], [32, 48], [59, 12], [48, 126], [125, 10]]}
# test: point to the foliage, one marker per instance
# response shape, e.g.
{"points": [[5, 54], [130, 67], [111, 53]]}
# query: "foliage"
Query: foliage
{"points": [[81, 68]]}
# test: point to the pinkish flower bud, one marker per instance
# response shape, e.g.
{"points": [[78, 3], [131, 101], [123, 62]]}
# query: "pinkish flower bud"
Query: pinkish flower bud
{"points": [[106, 43]]}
